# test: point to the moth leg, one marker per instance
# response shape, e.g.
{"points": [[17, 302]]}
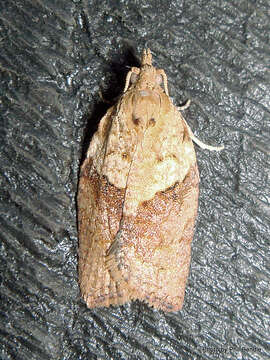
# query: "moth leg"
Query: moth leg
{"points": [[133, 70], [200, 143], [165, 80], [183, 107], [110, 102]]}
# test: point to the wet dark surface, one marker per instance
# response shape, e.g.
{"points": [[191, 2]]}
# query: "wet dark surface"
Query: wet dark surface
{"points": [[55, 57]]}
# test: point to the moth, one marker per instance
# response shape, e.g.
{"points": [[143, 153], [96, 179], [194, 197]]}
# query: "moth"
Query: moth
{"points": [[138, 198]]}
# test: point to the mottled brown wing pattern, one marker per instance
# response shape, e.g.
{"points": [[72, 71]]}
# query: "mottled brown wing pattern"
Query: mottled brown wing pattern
{"points": [[99, 215], [138, 199], [151, 259], [157, 242]]}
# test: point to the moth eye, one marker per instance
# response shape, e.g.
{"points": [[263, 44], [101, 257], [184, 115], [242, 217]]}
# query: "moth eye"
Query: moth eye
{"points": [[133, 78], [159, 79]]}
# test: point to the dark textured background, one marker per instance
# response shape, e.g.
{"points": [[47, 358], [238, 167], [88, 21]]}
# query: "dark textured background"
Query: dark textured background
{"points": [[55, 57]]}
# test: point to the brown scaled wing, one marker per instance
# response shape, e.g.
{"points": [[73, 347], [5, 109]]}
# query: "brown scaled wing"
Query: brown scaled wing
{"points": [[152, 256], [138, 199]]}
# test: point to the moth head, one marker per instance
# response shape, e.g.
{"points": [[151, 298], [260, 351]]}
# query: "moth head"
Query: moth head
{"points": [[147, 69], [147, 76], [147, 73]]}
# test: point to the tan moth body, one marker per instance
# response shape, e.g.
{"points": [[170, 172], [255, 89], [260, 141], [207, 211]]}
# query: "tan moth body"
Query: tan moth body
{"points": [[138, 199]]}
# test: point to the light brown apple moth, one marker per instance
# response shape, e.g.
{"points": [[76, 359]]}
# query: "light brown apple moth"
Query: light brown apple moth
{"points": [[138, 198]]}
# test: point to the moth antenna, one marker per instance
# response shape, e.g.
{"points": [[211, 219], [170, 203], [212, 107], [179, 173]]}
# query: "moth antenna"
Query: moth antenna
{"points": [[185, 106], [200, 143], [127, 81], [161, 72], [133, 70]]}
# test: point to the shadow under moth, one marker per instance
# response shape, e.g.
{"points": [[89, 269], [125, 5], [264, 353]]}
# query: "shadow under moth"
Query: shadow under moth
{"points": [[138, 198]]}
